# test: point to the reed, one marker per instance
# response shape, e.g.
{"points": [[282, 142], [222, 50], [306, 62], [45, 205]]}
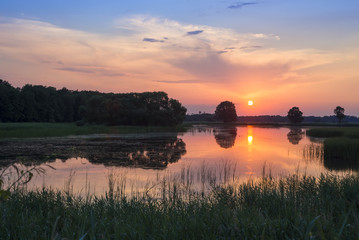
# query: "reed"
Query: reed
{"points": [[341, 153], [340, 148], [293, 207]]}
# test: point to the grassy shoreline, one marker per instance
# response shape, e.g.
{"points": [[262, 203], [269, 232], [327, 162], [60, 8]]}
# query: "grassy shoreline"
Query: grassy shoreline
{"points": [[294, 207], [38, 129], [275, 124], [346, 132], [34, 130]]}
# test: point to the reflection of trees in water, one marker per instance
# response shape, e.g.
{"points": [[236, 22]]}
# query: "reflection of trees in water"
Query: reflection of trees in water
{"points": [[200, 129], [295, 135], [225, 136], [147, 152]]}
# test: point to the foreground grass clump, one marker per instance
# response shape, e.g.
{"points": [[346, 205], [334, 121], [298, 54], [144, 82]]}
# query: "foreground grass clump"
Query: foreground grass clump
{"points": [[286, 208], [31, 130]]}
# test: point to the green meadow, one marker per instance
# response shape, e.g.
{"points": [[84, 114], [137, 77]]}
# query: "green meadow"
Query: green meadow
{"points": [[32, 130]]}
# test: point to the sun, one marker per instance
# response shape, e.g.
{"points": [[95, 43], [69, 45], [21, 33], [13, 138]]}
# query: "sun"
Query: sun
{"points": [[250, 103]]}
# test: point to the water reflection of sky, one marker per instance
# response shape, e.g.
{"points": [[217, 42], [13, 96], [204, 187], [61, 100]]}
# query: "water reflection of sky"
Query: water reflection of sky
{"points": [[253, 149], [243, 151]]}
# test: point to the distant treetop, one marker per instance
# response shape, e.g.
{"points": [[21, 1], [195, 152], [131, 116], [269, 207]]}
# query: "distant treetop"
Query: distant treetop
{"points": [[295, 115], [226, 112], [339, 113]]}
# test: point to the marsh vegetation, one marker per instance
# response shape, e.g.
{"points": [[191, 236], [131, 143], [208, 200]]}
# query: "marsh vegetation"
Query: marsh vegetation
{"points": [[293, 207], [340, 147]]}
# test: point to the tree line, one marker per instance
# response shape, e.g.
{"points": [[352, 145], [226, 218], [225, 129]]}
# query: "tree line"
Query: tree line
{"points": [[226, 112], [296, 116], [36, 103]]}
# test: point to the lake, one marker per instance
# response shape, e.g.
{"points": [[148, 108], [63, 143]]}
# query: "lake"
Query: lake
{"points": [[196, 159]]}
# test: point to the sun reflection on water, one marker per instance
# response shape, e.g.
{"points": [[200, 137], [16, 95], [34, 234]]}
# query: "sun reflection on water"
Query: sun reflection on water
{"points": [[250, 139]]}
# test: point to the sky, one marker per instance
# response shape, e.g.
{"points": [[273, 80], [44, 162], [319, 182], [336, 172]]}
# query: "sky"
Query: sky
{"points": [[277, 53]]}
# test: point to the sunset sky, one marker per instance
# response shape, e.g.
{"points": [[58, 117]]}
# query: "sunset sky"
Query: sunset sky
{"points": [[277, 53]]}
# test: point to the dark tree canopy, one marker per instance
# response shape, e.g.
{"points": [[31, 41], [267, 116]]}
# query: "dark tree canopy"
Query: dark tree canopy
{"points": [[226, 112], [46, 104], [295, 115], [339, 113]]}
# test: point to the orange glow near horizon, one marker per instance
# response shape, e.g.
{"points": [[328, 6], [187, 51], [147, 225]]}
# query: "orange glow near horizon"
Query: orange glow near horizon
{"points": [[270, 75]]}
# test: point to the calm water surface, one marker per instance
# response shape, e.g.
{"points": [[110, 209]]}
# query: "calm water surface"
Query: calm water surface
{"points": [[201, 155]]}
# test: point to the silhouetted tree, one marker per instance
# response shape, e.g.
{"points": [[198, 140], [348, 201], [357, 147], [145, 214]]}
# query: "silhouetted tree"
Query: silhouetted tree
{"points": [[226, 112], [339, 113], [9, 103], [177, 112], [295, 115]]}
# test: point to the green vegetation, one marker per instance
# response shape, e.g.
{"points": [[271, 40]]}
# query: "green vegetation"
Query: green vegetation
{"points": [[340, 148], [31, 130], [349, 132], [341, 153], [286, 208], [47, 104]]}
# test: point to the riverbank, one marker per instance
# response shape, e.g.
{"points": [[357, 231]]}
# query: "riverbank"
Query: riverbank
{"points": [[346, 132], [274, 124], [36, 130], [294, 207]]}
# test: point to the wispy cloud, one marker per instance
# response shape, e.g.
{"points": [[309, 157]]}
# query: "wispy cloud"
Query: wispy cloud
{"points": [[239, 5], [102, 71], [250, 47], [220, 57], [152, 40], [221, 52], [180, 81], [72, 69], [195, 32]]}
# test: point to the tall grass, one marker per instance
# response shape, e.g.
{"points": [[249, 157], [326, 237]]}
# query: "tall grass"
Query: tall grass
{"points": [[335, 153], [293, 207], [313, 151], [341, 153], [340, 148]]}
